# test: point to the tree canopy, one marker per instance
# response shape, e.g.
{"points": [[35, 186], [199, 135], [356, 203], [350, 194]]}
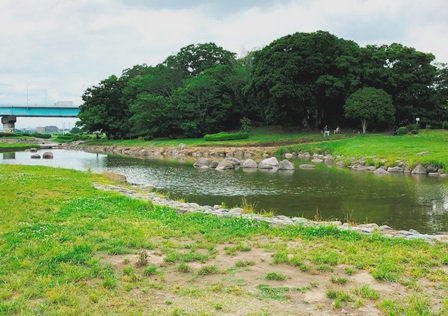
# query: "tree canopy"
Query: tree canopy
{"points": [[303, 80]]}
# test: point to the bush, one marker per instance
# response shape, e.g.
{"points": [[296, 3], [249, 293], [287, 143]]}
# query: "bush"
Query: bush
{"points": [[226, 136], [414, 131], [40, 135], [402, 131], [246, 124], [413, 127], [428, 126]]}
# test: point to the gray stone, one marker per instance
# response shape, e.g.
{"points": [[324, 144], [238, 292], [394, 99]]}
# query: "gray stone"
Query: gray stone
{"points": [[213, 164], [419, 170], [286, 165], [432, 169], [249, 163], [317, 160], [225, 165], [288, 155], [424, 153], [35, 156], [233, 160], [202, 162], [307, 166], [395, 170], [47, 155], [340, 164], [115, 176], [269, 163], [380, 171], [33, 150]]}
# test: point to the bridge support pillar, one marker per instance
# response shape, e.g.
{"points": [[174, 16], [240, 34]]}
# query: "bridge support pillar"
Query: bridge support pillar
{"points": [[9, 122]]}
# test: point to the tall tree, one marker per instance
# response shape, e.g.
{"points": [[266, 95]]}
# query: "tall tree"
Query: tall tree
{"points": [[102, 109], [370, 105], [304, 78]]}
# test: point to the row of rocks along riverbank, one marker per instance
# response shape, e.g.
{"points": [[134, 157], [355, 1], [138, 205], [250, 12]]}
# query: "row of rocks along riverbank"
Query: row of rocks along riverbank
{"points": [[145, 192], [247, 157]]}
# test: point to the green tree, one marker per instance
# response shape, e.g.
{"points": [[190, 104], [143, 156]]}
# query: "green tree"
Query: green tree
{"points": [[75, 130], [304, 78], [370, 105], [103, 110]]}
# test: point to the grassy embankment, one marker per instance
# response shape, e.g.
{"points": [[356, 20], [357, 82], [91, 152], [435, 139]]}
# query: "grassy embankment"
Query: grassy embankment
{"points": [[390, 148], [69, 249], [16, 146]]}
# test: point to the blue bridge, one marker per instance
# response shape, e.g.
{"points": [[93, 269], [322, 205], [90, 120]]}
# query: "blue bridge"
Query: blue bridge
{"points": [[9, 113]]}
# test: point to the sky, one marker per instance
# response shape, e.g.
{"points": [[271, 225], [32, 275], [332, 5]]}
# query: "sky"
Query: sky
{"points": [[53, 50]]}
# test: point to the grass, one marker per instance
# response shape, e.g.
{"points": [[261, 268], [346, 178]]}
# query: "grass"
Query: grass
{"points": [[67, 248]]}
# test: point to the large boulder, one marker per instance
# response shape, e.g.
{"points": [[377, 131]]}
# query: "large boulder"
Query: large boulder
{"points": [[225, 165], [213, 164], [286, 165], [234, 160], [419, 170], [202, 163], [269, 163], [115, 176], [47, 155], [249, 163], [35, 156]]}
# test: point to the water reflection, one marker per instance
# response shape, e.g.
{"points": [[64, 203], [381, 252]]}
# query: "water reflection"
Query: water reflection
{"points": [[401, 201]]}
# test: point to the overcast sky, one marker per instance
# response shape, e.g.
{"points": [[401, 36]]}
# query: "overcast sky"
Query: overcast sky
{"points": [[52, 50]]}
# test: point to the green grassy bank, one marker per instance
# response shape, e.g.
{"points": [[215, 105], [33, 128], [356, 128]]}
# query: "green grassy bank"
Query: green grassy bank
{"points": [[69, 249], [16, 146]]}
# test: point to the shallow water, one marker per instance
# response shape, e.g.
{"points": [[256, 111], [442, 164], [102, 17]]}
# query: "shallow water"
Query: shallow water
{"points": [[400, 201]]}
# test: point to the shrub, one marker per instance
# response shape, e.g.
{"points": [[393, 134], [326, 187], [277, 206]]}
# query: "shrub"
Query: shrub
{"points": [[428, 126], [226, 136], [402, 131], [413, 127], [414, 131], [246, 124]]}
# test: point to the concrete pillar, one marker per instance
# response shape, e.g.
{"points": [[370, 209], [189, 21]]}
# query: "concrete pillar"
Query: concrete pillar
{"points": [[9, 122]]}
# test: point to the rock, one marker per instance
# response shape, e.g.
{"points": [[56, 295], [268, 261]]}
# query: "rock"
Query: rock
{"points": [[433, 174], [329, 160], [249, 163], [307, 166], [35, 156], [395, 170], [202, 162], [286, 165], [419, 170], [269, 163], [340, 164], [288, 155], [432, 169], [424, 153], [233, 160], [380, 171], [181, 146], [115, 176], [317, 160], [225, 165], [213, 164], [47, 155], [237, 210], [33, 150]]}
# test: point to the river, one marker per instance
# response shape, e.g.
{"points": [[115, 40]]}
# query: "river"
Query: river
{"points": [[400, 201]]}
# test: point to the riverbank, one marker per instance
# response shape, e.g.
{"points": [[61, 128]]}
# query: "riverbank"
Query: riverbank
{"points": [[67, 247]]}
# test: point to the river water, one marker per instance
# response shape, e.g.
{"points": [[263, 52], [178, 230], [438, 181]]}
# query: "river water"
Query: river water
{"points": [[400, 201]]}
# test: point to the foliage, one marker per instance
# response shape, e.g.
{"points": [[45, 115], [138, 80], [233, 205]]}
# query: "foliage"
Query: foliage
{"points": [[403, 130], [369, 105], [246, 124], [226, 136]]}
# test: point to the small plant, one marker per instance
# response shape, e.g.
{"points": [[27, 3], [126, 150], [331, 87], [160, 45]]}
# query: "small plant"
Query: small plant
{"points": [[168, 302], [318, 216], [349, 270], [226, 136], [150, 270], [338, 280], [367, 292], [246, 124], [314, 284], [142, 259], [206, 270], [402, 131], [218, 306], [184, 268], [244, 263], [275, 276], [349, 216], [248, 207]]}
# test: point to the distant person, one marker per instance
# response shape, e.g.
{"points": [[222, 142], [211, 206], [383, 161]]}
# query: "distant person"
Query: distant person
{"points": [[326, 131], [337, 130]]}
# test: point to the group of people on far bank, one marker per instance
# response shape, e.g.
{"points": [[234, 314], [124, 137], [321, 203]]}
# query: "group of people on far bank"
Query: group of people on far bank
{"points": [[326, 132]]}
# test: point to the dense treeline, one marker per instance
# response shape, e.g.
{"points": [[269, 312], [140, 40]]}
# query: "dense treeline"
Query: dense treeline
{"points": [[302, 81]]}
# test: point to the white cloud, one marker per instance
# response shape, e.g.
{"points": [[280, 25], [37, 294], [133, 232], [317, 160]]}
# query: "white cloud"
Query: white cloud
{"points": [[64, 46]]}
